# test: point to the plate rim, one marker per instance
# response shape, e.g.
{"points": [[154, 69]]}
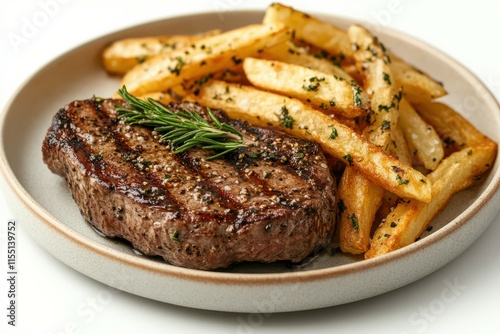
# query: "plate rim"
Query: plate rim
{"points": [[228, 278]]}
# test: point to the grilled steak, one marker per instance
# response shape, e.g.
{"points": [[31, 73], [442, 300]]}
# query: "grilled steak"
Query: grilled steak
{"points": [[272, 199]]}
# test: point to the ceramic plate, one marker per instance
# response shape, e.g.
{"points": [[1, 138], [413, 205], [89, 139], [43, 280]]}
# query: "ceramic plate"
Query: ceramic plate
{"points": [[43, 204]]}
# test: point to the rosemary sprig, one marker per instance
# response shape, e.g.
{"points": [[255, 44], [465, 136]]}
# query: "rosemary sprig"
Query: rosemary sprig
{"points": [[184, 130]]}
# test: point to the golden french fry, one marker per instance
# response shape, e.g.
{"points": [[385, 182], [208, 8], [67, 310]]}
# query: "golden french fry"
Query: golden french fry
{"points": [[121, 56], [360, 197], [452, 127], [310, 29], [358, 201], [417, 85], [372, 60], [324, 92], [399, 146], [422, 139], [290, 53], [410, 218], [203, 57], [294, 117]]}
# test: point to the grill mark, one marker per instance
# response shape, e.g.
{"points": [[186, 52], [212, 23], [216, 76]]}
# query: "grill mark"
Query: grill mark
{"points": [[108, 174], [124, 146], [190, 162]]}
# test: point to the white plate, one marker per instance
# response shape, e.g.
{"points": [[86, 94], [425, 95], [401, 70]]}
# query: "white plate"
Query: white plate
{"points": [[42, 203]]}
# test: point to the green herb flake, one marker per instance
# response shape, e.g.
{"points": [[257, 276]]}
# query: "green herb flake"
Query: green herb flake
{"points": [[354, 221], [141, 59], [401, 180], [387, 78], [386, 125], [286, 120], [178, 67], [334, 134], [357, 95], [255, 155], [349, 159], [385, 108], [311, 88], [399, 95], [174, 236], [321, 54], [299, 155]]}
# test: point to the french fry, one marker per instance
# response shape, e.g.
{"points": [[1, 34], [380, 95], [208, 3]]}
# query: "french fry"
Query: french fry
{"points": [[372, 60], [422, 139], [416, 84], [290, 53], [410, 218], [324, 92], [208, 55], [452, 127], [296, 118], [310, 29], [399, 146], [121, 56], [361, 198]]}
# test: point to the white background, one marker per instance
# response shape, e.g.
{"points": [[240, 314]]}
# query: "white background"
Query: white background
{"points": [[54, 298]]}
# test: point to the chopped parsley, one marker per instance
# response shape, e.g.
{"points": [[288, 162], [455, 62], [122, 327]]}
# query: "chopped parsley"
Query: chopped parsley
{"points": [[299, 155], [141, 59], [334, 134], [174, 236], [386, 125], [401, 180], [387, 78], [349, 159], [399, 95], [286, 120], [178, 67], [314, 84], [321, 54], [255, 155], [384, 107], [236, 60], [354, 221], [357, 94]]}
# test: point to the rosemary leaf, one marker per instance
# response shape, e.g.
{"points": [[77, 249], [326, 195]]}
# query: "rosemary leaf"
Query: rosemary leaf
{"points": [[183, 130]]}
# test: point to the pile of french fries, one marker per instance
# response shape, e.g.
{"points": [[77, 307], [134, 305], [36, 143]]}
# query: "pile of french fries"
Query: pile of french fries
{"points": [[402, 154]]}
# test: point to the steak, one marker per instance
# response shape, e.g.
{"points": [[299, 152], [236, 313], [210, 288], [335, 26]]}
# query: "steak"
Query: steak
{"points": [[271, 200]]}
